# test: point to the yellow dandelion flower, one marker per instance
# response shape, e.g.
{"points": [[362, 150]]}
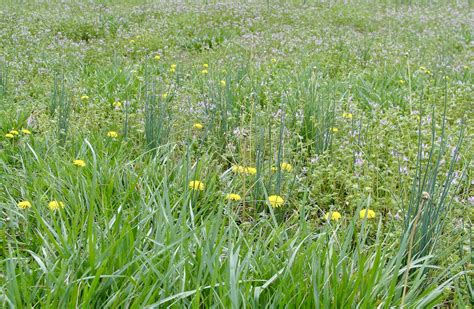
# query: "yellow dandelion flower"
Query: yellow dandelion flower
{"points": [[164, 95], [112, 134], [84, 97], [334, 130], [274, 169], [117, 104], [79, 163], [157, 57], [275, 201], [347, 115], [205, 65], [286, 167], [369, 213], [55, 205], [204, 72], [332, 215], [198, 126], [9, 135], [223, 83], [14, 132], [26, 131], [401, 81], [250, 170], [24, 204], [173, 68], [233, 197], [196, 185], [238, 169]]}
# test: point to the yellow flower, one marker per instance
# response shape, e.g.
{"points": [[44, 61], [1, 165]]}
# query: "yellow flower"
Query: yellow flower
{"points": [[244, 170], [223, 83], [196, 185], [205, 65], [112, 134], [173, 68], [333, 215], [9, 135], [233, 197], [204, 72], [250, 170], [79, 163], [164, 95], [425, 70], [286, 167], [347, 115], [369, 213], [24, 205], [117, 104], [55, 205], [198, 126], [157, 57], [238, 169], [334, 130], [275, 200], [25, 131], [274, 60], [401, 81], [274, 169], [14, 132], [84, 97]]}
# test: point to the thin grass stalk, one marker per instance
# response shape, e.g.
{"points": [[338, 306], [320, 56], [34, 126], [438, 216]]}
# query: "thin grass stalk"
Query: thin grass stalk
{"points": [[280, 153], [157, 116], [64, 105], [55, 93], [3, 79], [426, 183], [410, 246]]}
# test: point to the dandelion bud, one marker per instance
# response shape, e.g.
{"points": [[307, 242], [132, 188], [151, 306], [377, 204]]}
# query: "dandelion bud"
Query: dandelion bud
{"points": [[425, 195]]}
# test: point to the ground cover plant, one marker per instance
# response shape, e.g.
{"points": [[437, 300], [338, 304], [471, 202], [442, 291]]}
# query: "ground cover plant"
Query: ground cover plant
{"points": [[236, 154]]}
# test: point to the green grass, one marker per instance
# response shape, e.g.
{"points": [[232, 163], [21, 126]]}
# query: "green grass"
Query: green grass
{"points": [[331, 106]]}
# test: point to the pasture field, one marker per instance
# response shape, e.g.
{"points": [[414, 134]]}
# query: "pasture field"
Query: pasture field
{"points": [[234, 154]]}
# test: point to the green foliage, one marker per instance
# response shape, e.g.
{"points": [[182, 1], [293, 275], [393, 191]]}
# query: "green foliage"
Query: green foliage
{"points": [[60, 101], [429, 196], [3, 79], [157, 115], [312, 104], [318, 112]]}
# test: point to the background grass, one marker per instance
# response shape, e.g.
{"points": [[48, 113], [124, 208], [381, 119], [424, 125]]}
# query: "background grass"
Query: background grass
{"points": [[370, 103]]}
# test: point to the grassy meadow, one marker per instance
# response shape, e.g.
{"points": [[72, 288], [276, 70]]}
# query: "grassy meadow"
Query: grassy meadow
{"points": [[236, 154]]}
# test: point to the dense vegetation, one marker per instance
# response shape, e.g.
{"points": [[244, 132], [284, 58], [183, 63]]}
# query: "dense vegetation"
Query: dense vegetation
{"points": [[234, 154]]}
